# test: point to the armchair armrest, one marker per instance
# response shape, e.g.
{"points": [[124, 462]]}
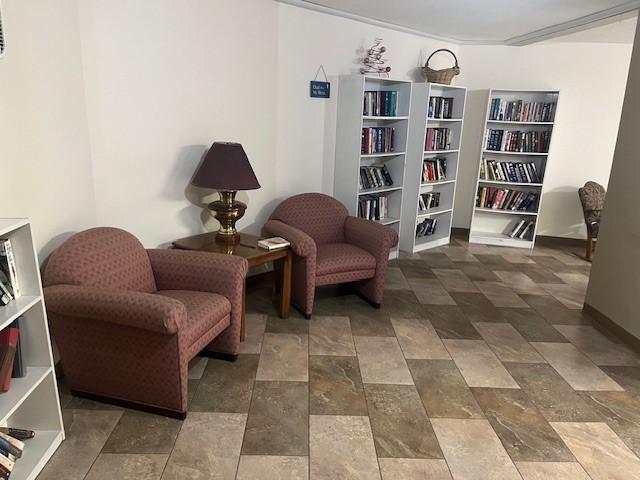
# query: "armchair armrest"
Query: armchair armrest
{"points": [[199, 271], [301, 244], [122, 307], [373, 237]]}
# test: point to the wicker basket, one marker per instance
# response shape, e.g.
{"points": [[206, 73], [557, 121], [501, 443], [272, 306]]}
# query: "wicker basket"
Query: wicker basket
{"points": [[443, 76]]}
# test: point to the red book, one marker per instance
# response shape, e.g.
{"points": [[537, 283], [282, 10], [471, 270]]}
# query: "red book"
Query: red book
{"points": [[8, 344]]}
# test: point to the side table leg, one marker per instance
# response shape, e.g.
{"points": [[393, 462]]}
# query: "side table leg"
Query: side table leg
{"points": [[285, 287]]}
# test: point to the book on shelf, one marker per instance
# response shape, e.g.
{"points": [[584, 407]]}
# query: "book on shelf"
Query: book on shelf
{"points": [[380, 103], [434, 169], [374, 176], [523, 229], [506, 199], [273, 243], [8, 347], [11, 450], [521, 111], [8, 271], [426, 227], [517, 140], [516, 172], [440, 107], [18, 433], [429, 200], [438, 139], [373, 207], [377, 140], [19, 367]]}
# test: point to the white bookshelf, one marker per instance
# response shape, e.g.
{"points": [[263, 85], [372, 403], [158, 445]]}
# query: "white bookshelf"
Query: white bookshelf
{"points": [[416, 155], [492, 226], [32, 401], [350, 120]]}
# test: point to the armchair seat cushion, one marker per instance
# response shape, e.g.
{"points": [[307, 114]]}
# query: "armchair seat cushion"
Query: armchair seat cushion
{"points": [[204, 312], [335, 258]]}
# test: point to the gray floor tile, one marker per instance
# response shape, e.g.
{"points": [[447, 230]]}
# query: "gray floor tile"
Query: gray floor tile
{"points": [[330, 336], [597, 347], [139, 432], [552, 471], [507, 343], [381, 361], [335, 386], [418, 339], [413, 469], [254, 467], [109, 466], [255, 325], [478, 364], [284, 356]]}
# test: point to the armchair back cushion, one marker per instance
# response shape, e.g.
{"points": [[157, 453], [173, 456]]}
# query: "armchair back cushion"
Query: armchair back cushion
{"points": [[106, 258], [592, 197], [319, 216]]}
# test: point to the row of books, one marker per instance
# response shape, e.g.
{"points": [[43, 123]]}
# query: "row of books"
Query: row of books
{"points": [[12, 443], [521, 111], [523, 229], [440, 107], [380, 104], [377, 140], [9, 284], [517, 141], [429, 200], [505, 199], [438, 139], [509, 171], [373, 207], [11, 361], [434, 169], [426, 227], [375, 176]]}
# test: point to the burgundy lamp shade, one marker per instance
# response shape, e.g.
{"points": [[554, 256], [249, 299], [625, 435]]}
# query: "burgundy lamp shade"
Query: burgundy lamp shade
{"points": [[225, 167]]}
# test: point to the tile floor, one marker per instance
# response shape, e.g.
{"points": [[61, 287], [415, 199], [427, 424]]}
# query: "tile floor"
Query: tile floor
{"points": [[480, 366]]}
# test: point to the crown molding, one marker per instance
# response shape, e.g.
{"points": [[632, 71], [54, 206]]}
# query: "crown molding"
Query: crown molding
{"points": [[620, 12]]}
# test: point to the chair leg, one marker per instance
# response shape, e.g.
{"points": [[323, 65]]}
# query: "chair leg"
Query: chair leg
{"points": [[589, 247]]}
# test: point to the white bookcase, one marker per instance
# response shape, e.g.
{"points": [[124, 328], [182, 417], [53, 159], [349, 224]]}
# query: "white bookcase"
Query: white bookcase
{"points": [[421, 120], [350, 120], [32, 401], [492, 226]]}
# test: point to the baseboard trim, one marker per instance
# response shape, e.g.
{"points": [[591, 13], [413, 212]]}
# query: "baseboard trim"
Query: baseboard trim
{"points": [[460, 231], [606, 323]]}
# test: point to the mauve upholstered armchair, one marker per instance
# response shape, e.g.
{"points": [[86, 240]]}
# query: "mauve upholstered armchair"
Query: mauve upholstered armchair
{"points": [[127, 321], [331, 247]]}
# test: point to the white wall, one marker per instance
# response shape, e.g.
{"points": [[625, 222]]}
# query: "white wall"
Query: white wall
{"points": [[615, 277], [591, 78], [163, 80], [307, 39], [44, 143]]}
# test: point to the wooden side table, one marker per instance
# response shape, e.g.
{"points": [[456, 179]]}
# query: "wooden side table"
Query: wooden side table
{"points": [[248, 249]]}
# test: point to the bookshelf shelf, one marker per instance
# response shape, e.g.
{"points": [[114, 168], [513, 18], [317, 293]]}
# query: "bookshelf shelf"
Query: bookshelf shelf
{"points": [[384, 117], [32, 401], [513, 228], [531, 154], [516, 184], [511, 122], [507, 212], [419, 123], [18, 307], [378, 155], [371, 191], [350, 120], [434, 152]]}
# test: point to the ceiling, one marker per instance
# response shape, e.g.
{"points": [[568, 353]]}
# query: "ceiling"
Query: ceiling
{"points": [[509, 22]]}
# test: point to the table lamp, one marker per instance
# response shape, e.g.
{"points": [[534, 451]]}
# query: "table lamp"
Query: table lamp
{"points": [[226, 168]]}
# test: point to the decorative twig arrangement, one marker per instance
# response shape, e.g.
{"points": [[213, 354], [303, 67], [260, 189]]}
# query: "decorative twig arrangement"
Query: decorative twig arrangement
{"points": [[373, 62]]}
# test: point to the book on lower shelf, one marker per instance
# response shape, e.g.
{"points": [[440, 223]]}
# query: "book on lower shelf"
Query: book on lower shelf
{"points": [[429, 200], [12, 445], [438, 139], [440, 107], [434, 169], [516, 172], [373, 207], [517, 141], [374, 176], [506, 199], [379, 103], [523, 230], [521, 111], [427, 227], [377, 140], [8, 270]]}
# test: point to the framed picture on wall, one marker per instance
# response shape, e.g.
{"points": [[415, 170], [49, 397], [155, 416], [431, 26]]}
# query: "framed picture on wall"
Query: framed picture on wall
{"points": [[2, 44]]}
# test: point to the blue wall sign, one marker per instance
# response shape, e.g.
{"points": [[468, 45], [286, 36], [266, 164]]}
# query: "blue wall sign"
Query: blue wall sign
{"points": [[319, 89]]}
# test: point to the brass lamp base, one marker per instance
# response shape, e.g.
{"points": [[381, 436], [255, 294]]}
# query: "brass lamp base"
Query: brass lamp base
{"points": [[228, 211]]}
